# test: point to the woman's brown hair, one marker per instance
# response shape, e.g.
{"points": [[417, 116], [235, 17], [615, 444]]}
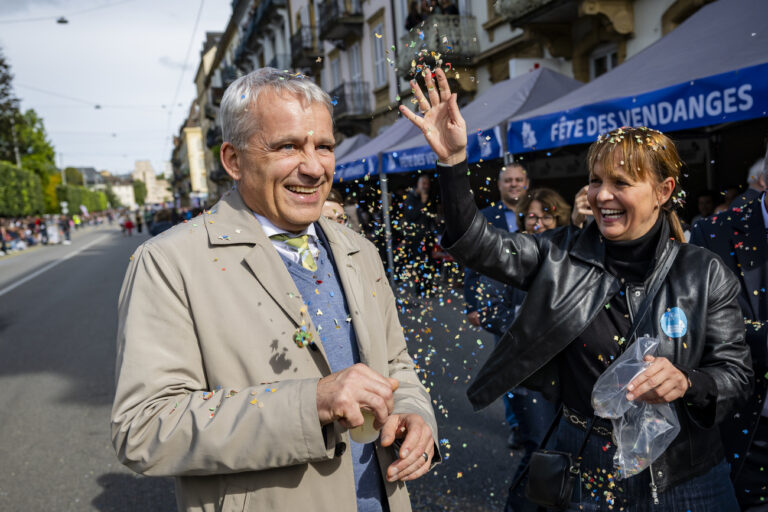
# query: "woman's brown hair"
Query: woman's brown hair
{"points": [[645, 154], [551, 202]]}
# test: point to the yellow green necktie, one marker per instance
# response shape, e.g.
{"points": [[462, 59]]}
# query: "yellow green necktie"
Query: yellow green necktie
{"points": [[300, 245]]}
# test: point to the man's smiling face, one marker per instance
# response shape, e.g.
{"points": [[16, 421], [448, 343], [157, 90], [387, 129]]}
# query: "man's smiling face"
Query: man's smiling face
{"points": [[286, 170]]}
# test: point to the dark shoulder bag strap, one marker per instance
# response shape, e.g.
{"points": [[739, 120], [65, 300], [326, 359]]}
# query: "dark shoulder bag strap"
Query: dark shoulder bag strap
{"points": [[653, 289]]}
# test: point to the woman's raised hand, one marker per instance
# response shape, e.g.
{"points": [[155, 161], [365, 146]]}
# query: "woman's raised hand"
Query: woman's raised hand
{"points": [[442, 123]]}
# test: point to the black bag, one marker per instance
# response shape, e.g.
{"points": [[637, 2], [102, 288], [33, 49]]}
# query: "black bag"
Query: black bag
{"points": [[551, 471], [553, 474]]}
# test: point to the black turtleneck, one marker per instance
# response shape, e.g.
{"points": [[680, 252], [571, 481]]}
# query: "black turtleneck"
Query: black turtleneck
{"points": [[587, 357], [632, 260]]}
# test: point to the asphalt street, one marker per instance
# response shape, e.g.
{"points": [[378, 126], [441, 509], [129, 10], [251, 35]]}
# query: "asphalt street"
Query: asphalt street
{"points": [[58, 321]]}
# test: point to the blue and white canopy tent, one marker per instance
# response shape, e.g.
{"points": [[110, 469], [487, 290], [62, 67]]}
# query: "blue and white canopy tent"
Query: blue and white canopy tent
{"points": [[350, 144], [363, 161], [403, 148], [710, 70], [486, 116]]}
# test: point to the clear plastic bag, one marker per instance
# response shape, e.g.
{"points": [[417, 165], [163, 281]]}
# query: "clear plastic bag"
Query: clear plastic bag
{"points": [[641, 431]]}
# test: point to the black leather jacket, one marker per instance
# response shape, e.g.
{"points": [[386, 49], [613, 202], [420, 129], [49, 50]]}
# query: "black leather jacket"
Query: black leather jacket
{"points": [[568, 285]]}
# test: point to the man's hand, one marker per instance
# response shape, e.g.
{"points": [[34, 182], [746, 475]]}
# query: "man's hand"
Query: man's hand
{"points": [[442, 124], [473, 317], [341, 395], [581, 209], [418, 441], [660, 383]]}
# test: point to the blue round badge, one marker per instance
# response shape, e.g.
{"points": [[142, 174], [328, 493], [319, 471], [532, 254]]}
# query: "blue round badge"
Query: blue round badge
{"points": [[674, 323]]}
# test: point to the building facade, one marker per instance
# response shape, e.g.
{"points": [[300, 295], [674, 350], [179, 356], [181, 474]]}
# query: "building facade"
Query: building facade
{"points": [[364, 52], [158, 190]]}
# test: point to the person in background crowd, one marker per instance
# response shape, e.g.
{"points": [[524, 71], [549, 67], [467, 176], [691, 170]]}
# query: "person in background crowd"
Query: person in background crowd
{"points": [[332, 208], [419, 235], [584, 286], [353, 214], [480, 291], [729, 195], [414, 15], [3, 237], [65, 227], [251, 342], [540, 210], [756, 184], [43, 231], [706, 205], [128, 224], [161, 222], [139, 221], [448, 7], [739, 238]]}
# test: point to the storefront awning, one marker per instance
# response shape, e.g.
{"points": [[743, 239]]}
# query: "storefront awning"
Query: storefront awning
{"points": [[711, 69], [483, 116]]}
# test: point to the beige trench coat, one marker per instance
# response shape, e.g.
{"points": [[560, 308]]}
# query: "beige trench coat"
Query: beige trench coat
{"points": [[210, 306]]}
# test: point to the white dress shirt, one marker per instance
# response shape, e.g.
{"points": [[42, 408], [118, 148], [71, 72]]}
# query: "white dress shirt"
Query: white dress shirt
{"points": [[283, 248]]}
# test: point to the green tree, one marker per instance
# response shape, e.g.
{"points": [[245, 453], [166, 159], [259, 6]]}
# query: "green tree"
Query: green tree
{"points": [[50, 199], [23, 132], [74, 177], [112, 199], [139, 192], [20, 191], [37, 153], [9, 109], [93, 200]]}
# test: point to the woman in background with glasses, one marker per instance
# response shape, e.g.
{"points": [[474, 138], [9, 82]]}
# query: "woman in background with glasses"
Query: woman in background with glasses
{"points": [[541, 209]]}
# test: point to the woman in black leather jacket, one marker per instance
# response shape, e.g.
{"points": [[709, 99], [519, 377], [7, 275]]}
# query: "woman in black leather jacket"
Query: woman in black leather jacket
{"points": [[586, 286]]}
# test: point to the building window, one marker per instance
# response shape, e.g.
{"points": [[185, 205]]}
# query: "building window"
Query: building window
{"points": [[603, 59], [335, 73], [379, 59], [355, 63]]}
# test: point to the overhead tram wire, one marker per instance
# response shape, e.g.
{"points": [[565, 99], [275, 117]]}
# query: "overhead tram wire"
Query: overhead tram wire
{"points": [[184, 68], [55, 18], [90, 103]]}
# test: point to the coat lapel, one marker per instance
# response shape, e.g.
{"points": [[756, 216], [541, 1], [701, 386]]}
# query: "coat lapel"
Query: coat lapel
{"points": [[231, 222], [343, 249]]}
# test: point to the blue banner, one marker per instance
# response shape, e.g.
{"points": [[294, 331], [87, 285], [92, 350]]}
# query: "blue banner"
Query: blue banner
{"points": [[727, 97], [356, 169], [482, 145]]}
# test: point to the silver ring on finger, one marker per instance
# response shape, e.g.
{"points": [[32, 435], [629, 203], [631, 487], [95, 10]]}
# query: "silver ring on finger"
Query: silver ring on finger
{"points": [[426, 457]]}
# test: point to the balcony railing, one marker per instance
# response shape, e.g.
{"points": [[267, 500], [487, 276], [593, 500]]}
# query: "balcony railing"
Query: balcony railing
{"points": [[352, 99], [340, 18], [515, 10], [266, 13], [442, 37], [281, 61], [304, 47]]}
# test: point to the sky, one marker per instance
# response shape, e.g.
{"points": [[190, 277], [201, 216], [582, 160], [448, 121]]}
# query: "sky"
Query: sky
{"points": [[129, 57]]}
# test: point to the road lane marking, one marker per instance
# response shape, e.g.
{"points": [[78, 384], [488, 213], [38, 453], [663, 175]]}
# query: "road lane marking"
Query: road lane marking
{"points": [[50, 266]]}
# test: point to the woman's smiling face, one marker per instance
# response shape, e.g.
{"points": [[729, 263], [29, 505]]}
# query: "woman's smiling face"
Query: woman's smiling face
{"points": [[625, 208]]}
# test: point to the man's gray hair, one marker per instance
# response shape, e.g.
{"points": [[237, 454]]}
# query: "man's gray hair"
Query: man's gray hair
{"points": [[510, 166], [759, 169], [238, 105]]}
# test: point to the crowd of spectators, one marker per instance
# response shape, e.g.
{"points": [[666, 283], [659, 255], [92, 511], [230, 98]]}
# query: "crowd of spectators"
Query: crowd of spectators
{"points": [[21, 233]]}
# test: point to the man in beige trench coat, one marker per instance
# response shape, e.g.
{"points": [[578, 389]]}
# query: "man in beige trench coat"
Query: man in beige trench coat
{"points": [[243, 360]]}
